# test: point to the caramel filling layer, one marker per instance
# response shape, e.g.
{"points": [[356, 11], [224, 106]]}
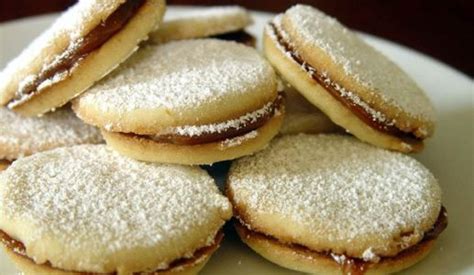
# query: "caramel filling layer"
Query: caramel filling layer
{"points": [[240, 36], [356, 266], [79, 49], [243, 127], [18, 248], [4, 164], [331, 87]]}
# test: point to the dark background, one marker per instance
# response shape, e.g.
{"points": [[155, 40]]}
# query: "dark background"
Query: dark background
{"points": [[442, 29]]}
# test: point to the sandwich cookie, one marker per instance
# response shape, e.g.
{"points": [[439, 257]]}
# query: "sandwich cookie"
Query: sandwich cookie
{"points": [[187, 102], [336, 205], [87, 210], [85, 43], [23, 136], [359, 88], [303, 117], [221, 22]]}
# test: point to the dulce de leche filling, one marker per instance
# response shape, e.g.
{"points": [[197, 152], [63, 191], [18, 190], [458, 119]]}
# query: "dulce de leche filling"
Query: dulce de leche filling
{"points": [[200, 134], [79, 49], [330, 86], [240, 36], [4, 164], [356, 266], [199, 255]]}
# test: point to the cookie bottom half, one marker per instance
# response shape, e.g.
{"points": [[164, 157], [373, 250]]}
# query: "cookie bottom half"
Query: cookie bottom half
{"points": [[146, 149], [302, 259], [183, 266]]}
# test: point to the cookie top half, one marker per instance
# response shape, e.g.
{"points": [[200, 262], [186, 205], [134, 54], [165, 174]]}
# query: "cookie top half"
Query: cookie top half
{"points": [[23, 136], [202, 22], [189, 82], [86, 208], [362, 73], [333, 193]]}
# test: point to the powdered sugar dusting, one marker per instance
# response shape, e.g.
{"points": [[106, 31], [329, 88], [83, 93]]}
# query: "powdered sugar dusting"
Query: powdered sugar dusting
{"points": [[20, 136], [236, 141], [370, 256], [51, 81], [207, 13], [340, 259], [89, 198], [181, 74], [363, 63], [197, 130], [339, 189]]}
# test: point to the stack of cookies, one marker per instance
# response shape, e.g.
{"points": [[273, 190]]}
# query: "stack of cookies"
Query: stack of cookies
{"points": [[316, 130]]}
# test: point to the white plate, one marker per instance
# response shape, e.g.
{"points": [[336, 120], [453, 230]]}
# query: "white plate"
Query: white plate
{"points": [[449, 154]]}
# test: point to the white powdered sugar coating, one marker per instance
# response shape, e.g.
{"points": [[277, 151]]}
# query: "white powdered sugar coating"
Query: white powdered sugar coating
{"points": [[238, 123], [20, 136], [97, 205], [360, 61], [181, 75], [338, 190], [370, 256], [209, 13], [340, 259], [236, 141], [58, 39]]}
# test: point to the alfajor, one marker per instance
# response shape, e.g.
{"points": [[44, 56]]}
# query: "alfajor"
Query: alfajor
{"points": [[337, 204], [85, 43], [188, 102], [221, 22], [88, 210], [23, 136], [303, 117], [355, 85]]}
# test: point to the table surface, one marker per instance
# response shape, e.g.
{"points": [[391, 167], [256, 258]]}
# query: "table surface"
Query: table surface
{"points": [[441, 29]]}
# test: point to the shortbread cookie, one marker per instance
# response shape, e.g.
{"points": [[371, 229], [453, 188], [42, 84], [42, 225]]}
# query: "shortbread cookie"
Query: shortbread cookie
{"points": [[336, 204], [355, 85], [84, 44], [222, 22], [20, 136], [188, 102], [303, 117], [86, 209]]}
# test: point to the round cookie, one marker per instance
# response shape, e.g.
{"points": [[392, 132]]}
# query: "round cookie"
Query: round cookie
{"points": [[23, 136], [85, 43], [358, 88], [337, 204], [302, 117], [87, 209], [223, 22], [188, 102]]}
